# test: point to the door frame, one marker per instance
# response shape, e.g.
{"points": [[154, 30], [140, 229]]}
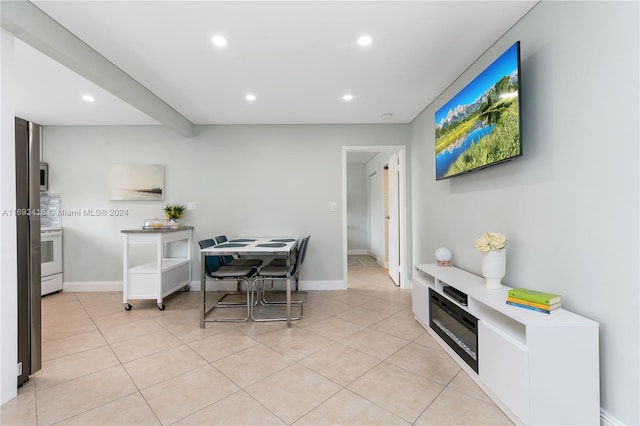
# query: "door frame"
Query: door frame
{"points": [[402, 207]]}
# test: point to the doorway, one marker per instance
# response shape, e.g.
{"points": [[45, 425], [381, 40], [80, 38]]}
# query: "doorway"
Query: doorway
{"points": [[386, 215]]}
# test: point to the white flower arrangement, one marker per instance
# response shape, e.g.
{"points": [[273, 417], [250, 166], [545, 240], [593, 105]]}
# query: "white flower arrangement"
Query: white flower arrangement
{"points": [[491, 241]]}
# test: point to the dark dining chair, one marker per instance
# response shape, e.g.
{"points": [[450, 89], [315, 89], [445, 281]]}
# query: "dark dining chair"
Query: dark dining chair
{"points": [[217, 271], [231, 298], [281, 261], [279, 273], [297, 296]]}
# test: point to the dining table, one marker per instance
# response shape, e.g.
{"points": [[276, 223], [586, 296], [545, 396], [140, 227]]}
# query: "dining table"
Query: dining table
{"points": [[254, 247]]}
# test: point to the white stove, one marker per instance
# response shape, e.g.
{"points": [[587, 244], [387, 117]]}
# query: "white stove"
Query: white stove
{"points": [[50, 260]]}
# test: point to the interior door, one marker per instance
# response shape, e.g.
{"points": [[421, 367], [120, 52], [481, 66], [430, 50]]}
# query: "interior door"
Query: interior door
{"points": [[386, 217], [374, 222], [394, 219]]}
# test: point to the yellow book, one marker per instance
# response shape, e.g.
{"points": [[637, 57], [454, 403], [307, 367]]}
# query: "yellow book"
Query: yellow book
{"points": [[534, 304]]}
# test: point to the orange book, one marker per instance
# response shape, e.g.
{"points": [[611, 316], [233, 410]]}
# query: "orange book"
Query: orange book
{"points": [[534, 304]]}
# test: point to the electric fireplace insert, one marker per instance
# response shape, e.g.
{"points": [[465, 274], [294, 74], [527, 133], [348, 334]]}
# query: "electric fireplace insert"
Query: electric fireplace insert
{"points": [[457, 327]]}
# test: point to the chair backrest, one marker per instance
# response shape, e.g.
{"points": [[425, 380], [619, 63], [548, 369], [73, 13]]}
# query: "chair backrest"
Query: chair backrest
{"points": [[212, 263], [206, 243], [302, 251]]}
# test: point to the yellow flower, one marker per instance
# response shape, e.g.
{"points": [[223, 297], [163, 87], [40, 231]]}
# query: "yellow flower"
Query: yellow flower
{"points": [[174, 211]]}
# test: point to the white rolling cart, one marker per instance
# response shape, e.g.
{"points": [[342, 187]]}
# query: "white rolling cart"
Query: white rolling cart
{"points": [[156, 263]]}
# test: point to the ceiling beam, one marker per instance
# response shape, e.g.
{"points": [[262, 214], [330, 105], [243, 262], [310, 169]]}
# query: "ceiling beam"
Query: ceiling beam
{"points": [[31, 25]]}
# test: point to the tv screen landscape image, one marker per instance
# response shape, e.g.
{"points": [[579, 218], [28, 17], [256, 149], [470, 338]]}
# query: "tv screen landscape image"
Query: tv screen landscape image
{"points": [[480, 126]]}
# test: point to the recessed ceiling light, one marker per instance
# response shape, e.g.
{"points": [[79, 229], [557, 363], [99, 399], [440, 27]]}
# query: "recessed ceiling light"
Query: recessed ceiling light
{"points": [[219, 41], [88, 98], [250, 97], [364, 40], [347, 97], [386, 115]]}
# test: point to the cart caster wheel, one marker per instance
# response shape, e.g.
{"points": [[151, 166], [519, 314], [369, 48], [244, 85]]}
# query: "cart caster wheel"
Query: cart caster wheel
{"points": [[127, 307], [187, 288], [161, 306]]}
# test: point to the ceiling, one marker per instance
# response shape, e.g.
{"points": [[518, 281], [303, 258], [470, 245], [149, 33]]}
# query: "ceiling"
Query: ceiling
{"points": [[298, 57]]}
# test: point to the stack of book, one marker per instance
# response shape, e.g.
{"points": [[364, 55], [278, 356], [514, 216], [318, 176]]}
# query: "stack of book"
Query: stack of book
{"points": [[538, 301]]}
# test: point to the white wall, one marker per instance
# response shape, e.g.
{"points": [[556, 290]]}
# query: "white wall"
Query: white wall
{"points": [[8, 249], [246, 180], [357, 208], [569, 206]]}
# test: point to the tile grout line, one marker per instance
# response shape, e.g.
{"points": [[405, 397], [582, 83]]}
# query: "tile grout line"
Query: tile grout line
{"points": [[263, 341], [139, 391]]}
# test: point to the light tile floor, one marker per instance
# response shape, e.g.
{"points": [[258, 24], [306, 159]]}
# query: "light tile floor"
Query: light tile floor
{"points": [[356, 358]]}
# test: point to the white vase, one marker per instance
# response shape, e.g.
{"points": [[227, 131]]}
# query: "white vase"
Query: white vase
{"points": [[494, 267], [173, 223]]}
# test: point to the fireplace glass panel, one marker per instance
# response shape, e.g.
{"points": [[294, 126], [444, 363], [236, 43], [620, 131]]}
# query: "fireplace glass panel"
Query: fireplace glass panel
{"points": [[455, 326]]}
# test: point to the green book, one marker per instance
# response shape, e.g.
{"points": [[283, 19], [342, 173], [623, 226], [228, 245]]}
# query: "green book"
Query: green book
{"points": [[534, 296]]}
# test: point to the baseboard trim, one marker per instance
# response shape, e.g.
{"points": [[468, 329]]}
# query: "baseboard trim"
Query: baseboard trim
{"points": [[358, 252], [607, 419], [97, 286], [323, 285], [83, 286]]}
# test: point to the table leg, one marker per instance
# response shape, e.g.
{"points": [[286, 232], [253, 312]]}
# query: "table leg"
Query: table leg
{"points": [[288, 301], [203, 287], [288, 290]]}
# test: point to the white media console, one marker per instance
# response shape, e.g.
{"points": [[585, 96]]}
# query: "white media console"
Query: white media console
{"points": [[539, 368]]}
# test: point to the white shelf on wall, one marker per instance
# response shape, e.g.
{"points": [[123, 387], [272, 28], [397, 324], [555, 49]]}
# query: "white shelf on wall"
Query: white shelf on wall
{"points": [[539, 368]]}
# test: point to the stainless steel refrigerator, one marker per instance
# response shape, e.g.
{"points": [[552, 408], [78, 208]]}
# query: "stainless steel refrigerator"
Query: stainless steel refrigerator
{"points": [[28, 243]]}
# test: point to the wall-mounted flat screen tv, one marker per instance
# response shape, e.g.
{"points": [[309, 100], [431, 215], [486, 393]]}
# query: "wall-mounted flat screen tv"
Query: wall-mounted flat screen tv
{"points": [[480, 126]]}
